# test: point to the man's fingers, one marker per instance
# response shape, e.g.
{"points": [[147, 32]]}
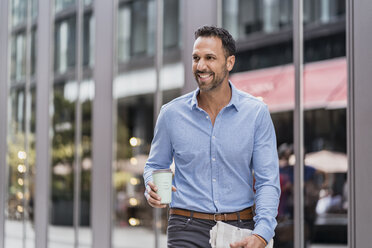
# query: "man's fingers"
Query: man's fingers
{"points": [[237, 244], [154, 195], [155, 203], [153, 198], [152, 186], [174, 189]]}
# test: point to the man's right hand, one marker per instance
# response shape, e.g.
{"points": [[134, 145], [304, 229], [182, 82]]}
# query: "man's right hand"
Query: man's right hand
{"points": [[152, 197]]}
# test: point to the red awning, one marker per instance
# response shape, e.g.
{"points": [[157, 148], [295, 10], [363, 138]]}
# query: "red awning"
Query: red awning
{"points": [[325, 85]]}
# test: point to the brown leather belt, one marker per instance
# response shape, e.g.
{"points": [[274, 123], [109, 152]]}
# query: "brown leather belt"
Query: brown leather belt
{"points": [[246, 214]]}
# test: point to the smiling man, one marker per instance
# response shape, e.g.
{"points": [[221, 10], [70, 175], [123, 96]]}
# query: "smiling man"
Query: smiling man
{"points": [[217, 136]]}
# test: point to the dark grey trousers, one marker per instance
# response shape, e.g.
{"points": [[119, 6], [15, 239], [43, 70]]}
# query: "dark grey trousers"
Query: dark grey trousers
{"points": [[184, 232]]}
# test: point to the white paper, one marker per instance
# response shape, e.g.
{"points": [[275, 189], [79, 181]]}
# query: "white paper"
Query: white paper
{"points": [[223, 234]]}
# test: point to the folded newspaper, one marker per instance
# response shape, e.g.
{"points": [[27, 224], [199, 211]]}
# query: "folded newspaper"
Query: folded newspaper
{"points": [[223, 234]]}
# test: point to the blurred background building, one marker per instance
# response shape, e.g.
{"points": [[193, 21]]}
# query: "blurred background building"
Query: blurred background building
{"points": [[264, 68]]}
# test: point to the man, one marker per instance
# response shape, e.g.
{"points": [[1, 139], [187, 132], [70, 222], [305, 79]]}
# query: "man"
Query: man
{"points": [[217, 136]]}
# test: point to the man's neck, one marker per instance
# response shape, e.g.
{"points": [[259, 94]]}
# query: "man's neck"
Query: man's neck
{"points": [[213, 101]]}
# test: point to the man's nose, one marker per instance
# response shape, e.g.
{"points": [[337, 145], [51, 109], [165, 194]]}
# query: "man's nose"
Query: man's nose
{"points": [[201, 65]]}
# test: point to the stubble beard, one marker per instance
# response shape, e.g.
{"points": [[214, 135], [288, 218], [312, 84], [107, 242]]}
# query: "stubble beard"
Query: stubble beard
{"points": [[215, 83]]}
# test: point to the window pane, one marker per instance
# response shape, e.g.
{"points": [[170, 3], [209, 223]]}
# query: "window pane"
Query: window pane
{"points": [[64, 145], [171, 23], [265, 70], [65, 40], [19, 11], [133, 217], [325, 97], [18, 57], [62, 153], [63, 4], [137, 27], [16, 167], [88, 41], [244, 17]]}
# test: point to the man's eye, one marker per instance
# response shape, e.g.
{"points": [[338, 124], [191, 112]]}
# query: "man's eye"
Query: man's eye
{"points": [[195, 58]]}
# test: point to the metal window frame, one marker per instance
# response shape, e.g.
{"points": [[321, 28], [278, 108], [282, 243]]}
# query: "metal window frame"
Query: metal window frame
{"points": [[359, 58], [78, 122], [4, 79], [350, 121], [298, 117], [44, 75], [158, 98], [101, 215]]}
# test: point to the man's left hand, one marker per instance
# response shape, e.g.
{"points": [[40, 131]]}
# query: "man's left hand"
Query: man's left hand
{"points": [[249, 242]]}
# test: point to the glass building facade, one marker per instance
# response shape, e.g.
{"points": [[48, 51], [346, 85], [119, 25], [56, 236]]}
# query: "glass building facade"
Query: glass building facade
{"points": [[265, 68]]}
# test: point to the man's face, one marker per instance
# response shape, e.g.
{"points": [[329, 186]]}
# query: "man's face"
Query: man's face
{"points": [[210, 65]]}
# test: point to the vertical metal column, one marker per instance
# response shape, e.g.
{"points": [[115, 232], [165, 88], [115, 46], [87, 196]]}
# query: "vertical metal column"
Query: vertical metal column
{"points": [[103, 124], [359, 117], [219, 13], [350, 123], [158, 95], [78, 120], [44, 79], [190, 23], [4, 32], [298, 124]]}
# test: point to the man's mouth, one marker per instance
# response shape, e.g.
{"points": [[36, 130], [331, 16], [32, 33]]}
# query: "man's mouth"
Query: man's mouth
{"points": [[204, 76]]}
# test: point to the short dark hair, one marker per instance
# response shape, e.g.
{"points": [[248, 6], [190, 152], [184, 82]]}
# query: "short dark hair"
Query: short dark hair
{"points": [[228, 42]]}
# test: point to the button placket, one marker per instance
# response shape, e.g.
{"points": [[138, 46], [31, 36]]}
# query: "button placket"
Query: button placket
{"points": [[214, 164]]}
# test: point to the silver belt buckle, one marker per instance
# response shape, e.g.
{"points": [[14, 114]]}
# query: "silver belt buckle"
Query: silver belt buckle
{"points": [[214, 217]]}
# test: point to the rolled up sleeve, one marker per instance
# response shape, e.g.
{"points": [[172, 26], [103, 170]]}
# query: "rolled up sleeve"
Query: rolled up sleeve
{"points": [[161, 154], [266, 173]]}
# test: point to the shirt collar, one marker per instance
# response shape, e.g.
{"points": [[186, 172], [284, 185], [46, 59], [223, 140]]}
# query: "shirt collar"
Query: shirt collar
{"points": [[234, 101]]}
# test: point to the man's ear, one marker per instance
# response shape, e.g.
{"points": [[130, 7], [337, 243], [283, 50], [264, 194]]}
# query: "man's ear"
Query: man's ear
{"points": [[230, 61]]}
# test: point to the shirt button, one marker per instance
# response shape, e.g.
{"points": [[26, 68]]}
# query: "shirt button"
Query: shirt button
{"points": [[207, 117], [215, 202], [214, 179], [213, 137], [213, 159]]}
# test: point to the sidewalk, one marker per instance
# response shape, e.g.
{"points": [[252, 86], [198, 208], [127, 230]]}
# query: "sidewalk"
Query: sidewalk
{"points": [[63, 237]]}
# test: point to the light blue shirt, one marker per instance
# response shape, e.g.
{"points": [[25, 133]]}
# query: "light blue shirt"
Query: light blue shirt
{"points": [[214, 164]]}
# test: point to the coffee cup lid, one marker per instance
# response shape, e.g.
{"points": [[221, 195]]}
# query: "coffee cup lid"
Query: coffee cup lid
{"points": [[162, 171]]}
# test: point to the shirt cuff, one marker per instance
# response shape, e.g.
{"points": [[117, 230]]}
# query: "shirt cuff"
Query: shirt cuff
{"points": [[262, 239], [263, 232]]}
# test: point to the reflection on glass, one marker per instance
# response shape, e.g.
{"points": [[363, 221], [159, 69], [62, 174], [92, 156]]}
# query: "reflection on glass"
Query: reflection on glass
{"points": [[30, 181], [244, 17], [134, 118], [172, 24], [63, 4], [86, 98], [133, 215], [62, 181], [19, 211], [88, 41], [19, 11], [325, 97], [34, 9], [275, 86], [66, 93], [136, 28], [323, 11], [326, 195], [18, 57], [33, 52], [65, 45]]}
